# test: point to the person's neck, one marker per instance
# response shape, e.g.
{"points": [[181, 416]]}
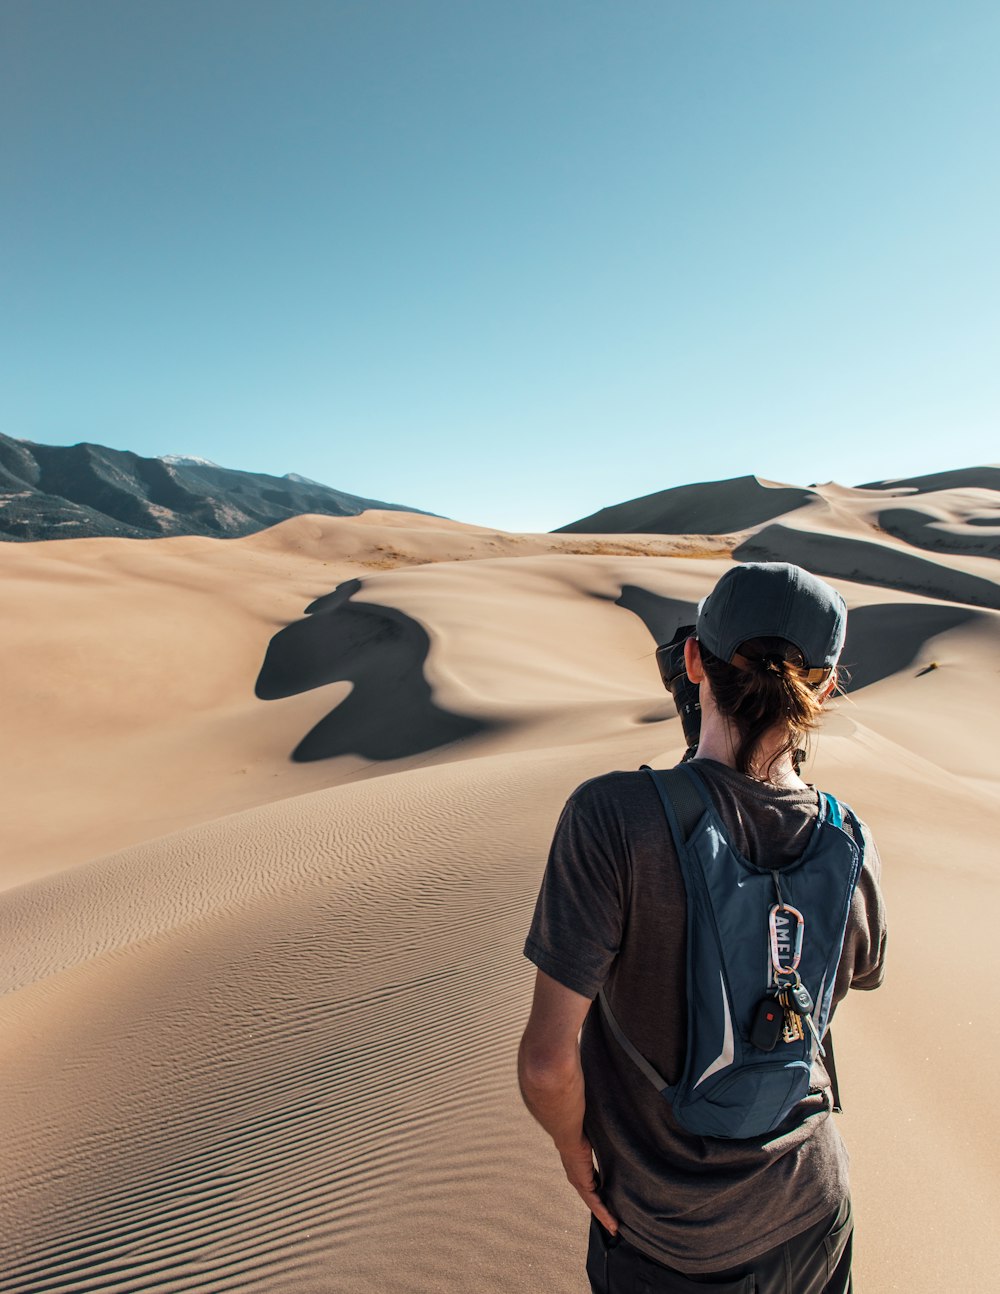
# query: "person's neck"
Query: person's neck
{"points": [[720, 740]]}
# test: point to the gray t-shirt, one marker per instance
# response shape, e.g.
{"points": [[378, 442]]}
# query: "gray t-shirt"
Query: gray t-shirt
{"points": [[612, 912]]}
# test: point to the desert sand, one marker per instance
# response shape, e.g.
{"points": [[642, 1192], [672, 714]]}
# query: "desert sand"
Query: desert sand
{"points": [[276, 811]]}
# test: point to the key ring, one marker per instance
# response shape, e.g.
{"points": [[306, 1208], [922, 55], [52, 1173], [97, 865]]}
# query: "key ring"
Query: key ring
{"points": [[781, 940]]}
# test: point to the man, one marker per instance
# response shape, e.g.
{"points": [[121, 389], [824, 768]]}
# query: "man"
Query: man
{"points": [[672, 1210]]}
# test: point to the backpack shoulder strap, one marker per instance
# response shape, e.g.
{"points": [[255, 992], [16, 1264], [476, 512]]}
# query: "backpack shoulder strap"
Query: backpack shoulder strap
{"points": [[831, 1068], [834, 810], [684, 802], [843, 816], [633, 1053]]}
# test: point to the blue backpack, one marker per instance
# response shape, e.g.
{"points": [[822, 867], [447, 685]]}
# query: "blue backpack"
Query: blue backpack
{"points": [[730, 1087]]}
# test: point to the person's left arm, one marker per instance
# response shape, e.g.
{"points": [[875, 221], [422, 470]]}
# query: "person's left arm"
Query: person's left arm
{"points": [[551, 1079]]}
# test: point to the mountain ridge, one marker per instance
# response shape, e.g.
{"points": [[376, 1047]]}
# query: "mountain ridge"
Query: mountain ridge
{"points": [[90, 491]]}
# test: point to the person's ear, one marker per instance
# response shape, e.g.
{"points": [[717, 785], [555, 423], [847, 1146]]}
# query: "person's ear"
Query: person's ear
{"points": [[692, 660], [828, 687]]}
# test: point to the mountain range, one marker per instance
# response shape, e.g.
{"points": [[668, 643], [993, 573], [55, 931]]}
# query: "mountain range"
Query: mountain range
{"points": [[85, 491]]}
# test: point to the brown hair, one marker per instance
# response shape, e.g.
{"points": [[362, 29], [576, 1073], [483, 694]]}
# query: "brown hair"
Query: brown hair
{"points": [[768, 691]]}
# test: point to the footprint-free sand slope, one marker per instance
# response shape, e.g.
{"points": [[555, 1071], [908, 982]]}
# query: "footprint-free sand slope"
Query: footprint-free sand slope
{"points": [[273, 1049], [311, 1088]]}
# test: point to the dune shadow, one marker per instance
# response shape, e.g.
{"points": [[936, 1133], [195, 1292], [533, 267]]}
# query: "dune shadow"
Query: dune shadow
{"points": [[390, 712], [924, 530], [882, 640], [842, 558], [661, 615], [886, 638]]}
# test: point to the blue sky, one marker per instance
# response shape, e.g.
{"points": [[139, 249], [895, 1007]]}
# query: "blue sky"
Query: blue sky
{"points": [[509, 262]]}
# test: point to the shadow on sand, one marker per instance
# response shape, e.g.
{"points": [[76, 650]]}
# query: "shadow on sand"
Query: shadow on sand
{"points": [[390, 713], [841, 557]]}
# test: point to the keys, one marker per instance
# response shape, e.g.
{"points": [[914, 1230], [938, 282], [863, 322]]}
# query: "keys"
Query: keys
{"points": [[815, 1033], [798, 1005], [792, 1031], [792, 1021], [801, 997]]}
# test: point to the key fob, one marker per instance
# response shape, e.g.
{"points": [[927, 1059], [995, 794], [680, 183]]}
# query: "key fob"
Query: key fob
{"points": [[802, 999], [768, 1022]]}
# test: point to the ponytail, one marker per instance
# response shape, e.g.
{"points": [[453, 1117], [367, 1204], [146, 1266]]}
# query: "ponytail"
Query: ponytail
{"points": [[765, 689]]}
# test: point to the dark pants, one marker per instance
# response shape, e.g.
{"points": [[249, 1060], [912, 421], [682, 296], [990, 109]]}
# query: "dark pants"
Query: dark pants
{"points": [[817, 1261]]}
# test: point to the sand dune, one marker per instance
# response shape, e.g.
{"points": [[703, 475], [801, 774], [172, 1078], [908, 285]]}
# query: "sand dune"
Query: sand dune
{"points": [[721, 507], [986, 477], [132, 669], [958, 512], [279, 811]]}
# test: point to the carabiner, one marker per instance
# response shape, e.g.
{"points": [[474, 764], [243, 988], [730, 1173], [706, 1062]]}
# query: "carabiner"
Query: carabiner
{"points": [[781, 940]]}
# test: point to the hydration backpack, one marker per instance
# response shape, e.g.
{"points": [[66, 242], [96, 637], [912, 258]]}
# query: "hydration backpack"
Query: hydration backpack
{"points": [[729, 1086]]}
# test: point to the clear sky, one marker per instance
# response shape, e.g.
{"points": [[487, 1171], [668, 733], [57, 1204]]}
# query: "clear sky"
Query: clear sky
{"points": [[507, 260]]}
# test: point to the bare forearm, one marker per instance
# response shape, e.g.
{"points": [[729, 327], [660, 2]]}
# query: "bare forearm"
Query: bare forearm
{"points": [[551, 1078], [555, 1096], [553, 1091]]}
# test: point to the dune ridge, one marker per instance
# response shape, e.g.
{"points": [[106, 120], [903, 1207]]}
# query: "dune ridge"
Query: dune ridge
{"points": [[724, 507], [958, 512]]}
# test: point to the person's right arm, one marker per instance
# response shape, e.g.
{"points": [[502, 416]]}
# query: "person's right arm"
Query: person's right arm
{"points": [[574, 939], [551, 1079]]}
